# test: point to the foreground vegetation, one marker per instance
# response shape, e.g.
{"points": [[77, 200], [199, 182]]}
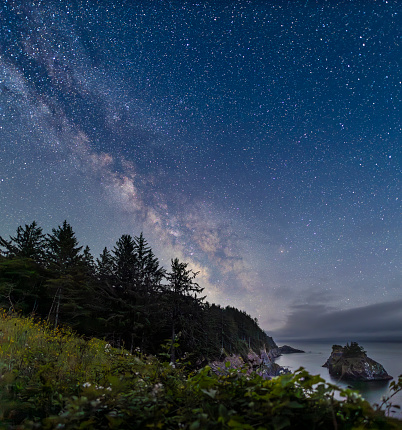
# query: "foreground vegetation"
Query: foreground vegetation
{"points": [[53, 379]]}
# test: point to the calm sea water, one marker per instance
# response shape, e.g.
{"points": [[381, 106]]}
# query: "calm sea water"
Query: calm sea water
{"points": [[388, 354]]}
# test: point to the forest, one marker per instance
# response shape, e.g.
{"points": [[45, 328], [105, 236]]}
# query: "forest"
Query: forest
{"points": [[124, 296]]}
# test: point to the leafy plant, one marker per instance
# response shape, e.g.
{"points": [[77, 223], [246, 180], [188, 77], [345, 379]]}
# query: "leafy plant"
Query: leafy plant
{"points": [[53, 379]]}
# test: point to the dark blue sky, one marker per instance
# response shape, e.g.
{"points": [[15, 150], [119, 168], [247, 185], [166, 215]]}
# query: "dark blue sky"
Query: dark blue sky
{"points": [[259, 141]]}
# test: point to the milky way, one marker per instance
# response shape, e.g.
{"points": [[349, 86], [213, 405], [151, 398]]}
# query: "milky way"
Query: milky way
{"points": [[257, 141]]}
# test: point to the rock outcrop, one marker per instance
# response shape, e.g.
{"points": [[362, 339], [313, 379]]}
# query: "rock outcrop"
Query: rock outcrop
{"points": [[262, 363], [351, 363], [286, 349]]}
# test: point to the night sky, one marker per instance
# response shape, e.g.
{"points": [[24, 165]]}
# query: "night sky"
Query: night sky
{"points": [[259, 141]]}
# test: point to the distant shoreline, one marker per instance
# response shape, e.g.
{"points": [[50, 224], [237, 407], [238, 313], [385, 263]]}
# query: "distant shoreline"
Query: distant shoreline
{"points": [[336, 340]]}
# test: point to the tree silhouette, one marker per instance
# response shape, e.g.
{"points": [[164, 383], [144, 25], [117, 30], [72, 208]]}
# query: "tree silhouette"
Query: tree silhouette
{"points": [[184, 303], [125, 296], [124, 262], [63, 250], [68, 280], [28, 243]]}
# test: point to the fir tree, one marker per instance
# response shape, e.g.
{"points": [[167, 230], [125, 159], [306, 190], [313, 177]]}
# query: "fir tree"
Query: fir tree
{"points": [[105, 266], [148, 273], [63, 249], [124, 262], [69, 282], [184, 303], [28, 243], [88, 261]]}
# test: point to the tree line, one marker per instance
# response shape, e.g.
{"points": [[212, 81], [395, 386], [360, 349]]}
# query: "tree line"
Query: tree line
{"points": [[124, 296]]}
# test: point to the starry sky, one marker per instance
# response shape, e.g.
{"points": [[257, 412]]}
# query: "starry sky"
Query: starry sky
{"points": [[259, 141]]}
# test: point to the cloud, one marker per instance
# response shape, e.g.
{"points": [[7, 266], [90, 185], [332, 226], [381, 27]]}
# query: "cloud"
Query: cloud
{"points": [[381, 321]]}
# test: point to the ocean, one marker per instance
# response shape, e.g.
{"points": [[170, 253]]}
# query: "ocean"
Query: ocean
{"points": [[387, 354]]}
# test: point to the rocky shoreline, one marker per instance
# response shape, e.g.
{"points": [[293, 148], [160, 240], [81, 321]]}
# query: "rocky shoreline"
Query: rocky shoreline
{"points": [[345, 363], [262, 363]]}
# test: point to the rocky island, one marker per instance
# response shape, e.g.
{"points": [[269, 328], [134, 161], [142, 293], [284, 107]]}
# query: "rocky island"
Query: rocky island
{"points": [[286, 349], [350, 362]]}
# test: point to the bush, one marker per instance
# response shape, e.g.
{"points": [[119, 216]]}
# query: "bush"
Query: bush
{"points": [[52, 379]]}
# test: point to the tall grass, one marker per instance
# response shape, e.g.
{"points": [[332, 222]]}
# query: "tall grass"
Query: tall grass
{"points": [[41, 366], [54, 379]]}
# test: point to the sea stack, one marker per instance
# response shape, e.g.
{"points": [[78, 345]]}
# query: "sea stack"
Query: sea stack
{"points": [[350, 362], [286, 349]]}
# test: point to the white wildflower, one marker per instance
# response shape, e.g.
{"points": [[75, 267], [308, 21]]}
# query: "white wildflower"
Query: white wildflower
{"points": [[157, 388]]}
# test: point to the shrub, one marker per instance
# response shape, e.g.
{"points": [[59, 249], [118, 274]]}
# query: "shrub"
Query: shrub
{"points": [[53, 379]]}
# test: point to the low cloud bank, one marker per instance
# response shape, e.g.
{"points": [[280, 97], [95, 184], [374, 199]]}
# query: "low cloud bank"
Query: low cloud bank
{"points": [[378, 322]]}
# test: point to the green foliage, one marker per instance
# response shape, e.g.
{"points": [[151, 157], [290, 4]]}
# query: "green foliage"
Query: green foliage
{"points": [[353, 350], [52, 379], [229, 330], [387, 405], [22, 285]]}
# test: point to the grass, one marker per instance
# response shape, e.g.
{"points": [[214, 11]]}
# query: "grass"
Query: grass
{"points": [[54, 379], [40, 367]]}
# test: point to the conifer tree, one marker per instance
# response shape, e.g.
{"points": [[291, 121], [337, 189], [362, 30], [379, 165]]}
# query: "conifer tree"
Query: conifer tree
{"points": [[124, 262], [88, 261], [184, 303], [21, 272], [148, 274], [63, 249], [105, 266], [125, 311], [68, 283], [28, 243]]}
